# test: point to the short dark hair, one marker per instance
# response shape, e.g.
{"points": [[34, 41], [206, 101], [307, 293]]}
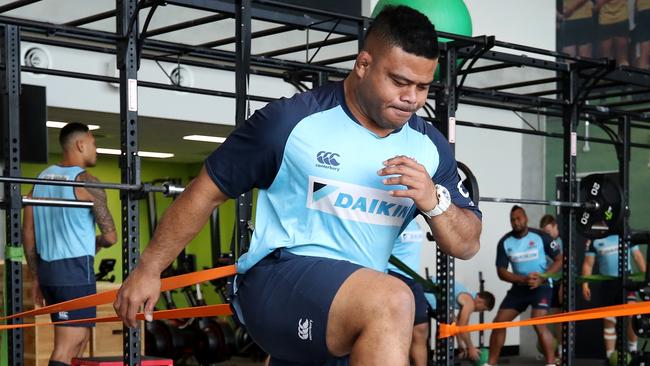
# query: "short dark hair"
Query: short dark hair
{"points": [[406, 28], [69, 131], [547, 220], [488, 298], [515, 208]]}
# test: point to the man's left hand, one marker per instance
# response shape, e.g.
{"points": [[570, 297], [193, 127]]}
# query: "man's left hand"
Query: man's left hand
{"points": [[408, 172]]}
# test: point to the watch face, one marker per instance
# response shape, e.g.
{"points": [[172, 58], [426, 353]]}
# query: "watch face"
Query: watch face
{"points": [[444, 198], [445, 193]]}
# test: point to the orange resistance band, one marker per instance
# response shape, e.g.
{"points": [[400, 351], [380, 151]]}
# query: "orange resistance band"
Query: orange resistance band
{"points": [[448, 330], [198, 311], [106, 297]]}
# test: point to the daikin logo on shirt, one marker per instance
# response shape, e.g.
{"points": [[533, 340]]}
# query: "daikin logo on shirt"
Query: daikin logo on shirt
{"points": [[357, 203]]}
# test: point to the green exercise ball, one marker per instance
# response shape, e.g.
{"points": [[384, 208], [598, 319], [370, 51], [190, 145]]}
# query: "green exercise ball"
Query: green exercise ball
{"points": [[449, 16], [613, 359], [483, 358]]}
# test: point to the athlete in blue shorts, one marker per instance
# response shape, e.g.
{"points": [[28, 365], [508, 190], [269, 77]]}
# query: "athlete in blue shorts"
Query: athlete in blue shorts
{"points": [[407, 249], [549, 225], [340, 170], [467, 302], [525, 250], [605, 251], [60, 242]]}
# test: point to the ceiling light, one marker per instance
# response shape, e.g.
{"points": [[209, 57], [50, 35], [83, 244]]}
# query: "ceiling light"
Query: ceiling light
{"points": [[204, 138], [144, 154], [55, 124], [159, 155], [101, 150]]}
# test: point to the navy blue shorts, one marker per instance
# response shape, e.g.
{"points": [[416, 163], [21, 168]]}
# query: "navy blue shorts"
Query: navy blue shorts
{"points": [[643, 25], [57, 294], [520, 297], [421, 304], [556, 302], [620, 29], [285, 301]]}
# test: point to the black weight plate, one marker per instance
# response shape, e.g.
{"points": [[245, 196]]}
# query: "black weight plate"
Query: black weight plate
{"points": [[596, 223]]}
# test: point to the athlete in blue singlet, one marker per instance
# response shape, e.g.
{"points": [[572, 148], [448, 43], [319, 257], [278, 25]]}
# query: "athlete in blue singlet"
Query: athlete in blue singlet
{"points": [[340, 170], [605, 252], [60, 242], [407, 249], [525, 250]]}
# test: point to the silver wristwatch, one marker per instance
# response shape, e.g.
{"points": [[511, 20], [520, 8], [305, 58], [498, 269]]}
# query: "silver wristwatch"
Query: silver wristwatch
{"points": [[444, 201]]}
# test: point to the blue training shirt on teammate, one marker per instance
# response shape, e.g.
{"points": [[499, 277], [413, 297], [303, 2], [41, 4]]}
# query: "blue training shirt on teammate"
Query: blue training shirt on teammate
{"points": [[459, 288], [65, 236], [606, 252], [407, 248], [527, 254], [316, 170]]}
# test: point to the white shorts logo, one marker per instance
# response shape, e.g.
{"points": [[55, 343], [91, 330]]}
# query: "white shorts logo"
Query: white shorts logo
{"points": [[412, 236], [304, 329], [63, 315], [357, 203]]}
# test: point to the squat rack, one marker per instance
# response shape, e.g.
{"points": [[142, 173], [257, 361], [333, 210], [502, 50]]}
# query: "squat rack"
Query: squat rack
{"points": [[578, 89]]}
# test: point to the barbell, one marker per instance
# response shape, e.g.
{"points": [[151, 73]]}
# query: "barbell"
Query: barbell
{"points": [[165, 188], [599, 210]]}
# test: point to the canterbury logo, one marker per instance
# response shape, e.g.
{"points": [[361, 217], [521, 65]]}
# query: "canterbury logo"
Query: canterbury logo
{"points": [[304, 329], [328, 158]]}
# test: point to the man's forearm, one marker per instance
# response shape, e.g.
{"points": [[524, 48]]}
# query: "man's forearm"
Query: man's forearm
{"points": [[102, 242], [32, 260], [556, 266], [467, 339], [182, 221], [512, 278], [457, 232]]}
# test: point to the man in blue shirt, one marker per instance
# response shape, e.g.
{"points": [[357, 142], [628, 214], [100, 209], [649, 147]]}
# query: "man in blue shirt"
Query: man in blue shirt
{"points": [[60, 242], [525, 250], [407, 249], [549, 225], [340, 170], [605, 251]]}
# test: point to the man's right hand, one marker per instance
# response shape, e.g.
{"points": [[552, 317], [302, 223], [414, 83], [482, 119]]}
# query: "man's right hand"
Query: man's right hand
{"points": [[141, 288], [473, 353], [586, 291], [534, 280], [37, 294]]}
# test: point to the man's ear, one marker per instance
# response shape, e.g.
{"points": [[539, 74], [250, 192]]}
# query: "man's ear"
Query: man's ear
{"points": [[80, 145], [364, 60]]}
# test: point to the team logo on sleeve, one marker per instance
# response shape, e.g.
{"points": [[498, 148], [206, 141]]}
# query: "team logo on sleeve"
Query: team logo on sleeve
{"points": [[357, 203], [554, 245]]}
